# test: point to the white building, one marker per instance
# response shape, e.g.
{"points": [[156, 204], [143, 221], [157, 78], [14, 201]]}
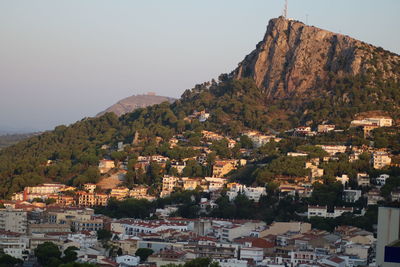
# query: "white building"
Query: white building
{"points": [[381, 121], [322, 211], [231, 262], [317, 211], [333, 149], [148, 227], [14, 246], [253, 193], [351, 196], [84, 240], [381, 180], [127, 260], [254, 254], [338, 211]]}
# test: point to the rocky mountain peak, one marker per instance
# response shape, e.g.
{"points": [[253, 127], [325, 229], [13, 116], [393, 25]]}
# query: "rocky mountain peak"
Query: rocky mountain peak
{"points": [[294, 59]]}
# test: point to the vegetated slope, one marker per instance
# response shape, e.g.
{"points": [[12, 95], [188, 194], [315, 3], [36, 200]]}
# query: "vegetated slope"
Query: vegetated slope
{"points": [[297, 75], [133, 102], [11, 139], [306, 75]]}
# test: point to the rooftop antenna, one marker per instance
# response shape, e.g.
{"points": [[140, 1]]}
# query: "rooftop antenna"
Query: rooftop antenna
{"points": [[285, 9]]}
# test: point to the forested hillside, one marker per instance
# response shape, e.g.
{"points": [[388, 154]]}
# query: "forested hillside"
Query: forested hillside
{"points": [[236, 102]]}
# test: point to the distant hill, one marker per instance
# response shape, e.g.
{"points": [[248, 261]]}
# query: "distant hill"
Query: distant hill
{"points": [[11, 139], [131, 103]]}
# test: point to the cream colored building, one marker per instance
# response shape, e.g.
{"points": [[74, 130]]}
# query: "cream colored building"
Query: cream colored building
{"points": [[279, 228], [381, 159], [223, 167], [169, 183], [89, 187], [92, 199], [13, 220], [106, 165], [119, 193], [139, 192], [381, 121]]}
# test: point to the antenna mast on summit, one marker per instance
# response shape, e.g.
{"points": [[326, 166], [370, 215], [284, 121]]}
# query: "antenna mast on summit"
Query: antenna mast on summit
{"points": [[285, 9]]}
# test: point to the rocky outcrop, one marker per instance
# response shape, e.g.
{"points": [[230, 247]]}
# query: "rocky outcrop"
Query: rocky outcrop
{"points": [[131, 103], [294, 59]]}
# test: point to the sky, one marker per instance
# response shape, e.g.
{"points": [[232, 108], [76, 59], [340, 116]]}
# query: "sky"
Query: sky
{"points": [[63, 60]]}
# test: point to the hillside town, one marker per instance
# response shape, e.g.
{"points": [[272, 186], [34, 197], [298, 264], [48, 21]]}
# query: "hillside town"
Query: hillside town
{"points": [[76, 216]]}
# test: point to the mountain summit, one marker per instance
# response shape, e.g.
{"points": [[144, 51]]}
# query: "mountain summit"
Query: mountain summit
{"points": [[294, 59], [131, 103]]}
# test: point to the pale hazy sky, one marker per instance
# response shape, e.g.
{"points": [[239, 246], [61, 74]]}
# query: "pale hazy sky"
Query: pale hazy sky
{"points": [[63, 60]]}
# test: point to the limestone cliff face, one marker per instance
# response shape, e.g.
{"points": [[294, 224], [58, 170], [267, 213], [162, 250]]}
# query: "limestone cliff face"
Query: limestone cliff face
{"points": [[294, 59]]}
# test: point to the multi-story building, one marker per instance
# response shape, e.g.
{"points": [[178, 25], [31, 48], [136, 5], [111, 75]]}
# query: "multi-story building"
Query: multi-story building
{"points": [[136, 227], [317, 211], [223, 167], [363, 179], [380, 159], [381, 180], [42, 191], [252, 253], [324, 128], [67, 215], [13, 220], [169, 183], [44, 228], [206, 248], [216, 183], [253, 193], [333, 149], [387, 249], [119, 193], [338, 211], [63, 200], [14, 245], [259, 139], [380, 121], [139, 191], [351, 196], [90, 187], [373, 197], [191, 183], [93, 224], [322, 211], [91, 199], [106, 165]]}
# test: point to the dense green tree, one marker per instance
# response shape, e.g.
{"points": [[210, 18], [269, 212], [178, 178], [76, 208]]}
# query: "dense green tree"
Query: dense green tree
{"points": [[104, 235], [70, 254], [143, 253], [47, 253]]}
